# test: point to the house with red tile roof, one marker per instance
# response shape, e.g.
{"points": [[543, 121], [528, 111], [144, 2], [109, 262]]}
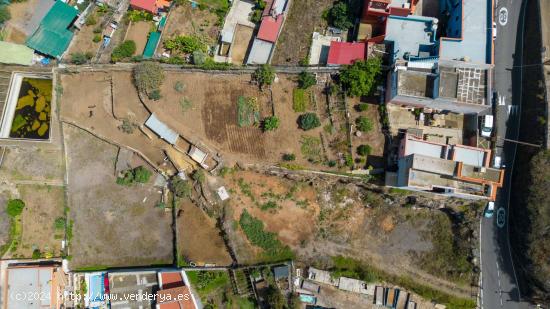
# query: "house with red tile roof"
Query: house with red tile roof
{"points": [[150, 6], [345, 53], [268, 32], [173, 293], [270, 28]]}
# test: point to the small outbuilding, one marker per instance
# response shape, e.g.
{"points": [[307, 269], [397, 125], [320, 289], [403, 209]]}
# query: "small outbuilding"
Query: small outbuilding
{"points": [[281, 272], [161, 129], [12, 53]]}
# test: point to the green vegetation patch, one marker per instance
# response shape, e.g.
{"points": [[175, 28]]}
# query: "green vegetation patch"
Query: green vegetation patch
{"points": [[300, 100], [136, 175], [311, 148], [253, 228], [206, 282], [248, 111]]}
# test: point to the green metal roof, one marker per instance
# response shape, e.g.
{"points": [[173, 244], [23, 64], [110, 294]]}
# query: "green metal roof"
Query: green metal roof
{"points": [[15, 53], [52, 36], [162, 22], [152, 42]]}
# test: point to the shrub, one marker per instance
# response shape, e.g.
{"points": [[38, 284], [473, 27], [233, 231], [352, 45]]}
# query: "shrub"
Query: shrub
{"points": [[4, 14], [306, 80], [270, 123], [309, 121], [59, 223], [359, 78], [36, 254], [81, 58], [362, 107], [199, 176], [148, 76], [199, 57], [155, 95], [135, 16], [91, 20], [125, 50], [289, 157], [180, 187], [97, 38], [15, 207], [141, 174], [364, 124], [265, 75], [364, 150], [179, 87]]}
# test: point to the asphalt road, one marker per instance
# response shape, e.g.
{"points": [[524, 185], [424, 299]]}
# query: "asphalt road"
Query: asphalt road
{"points": [[499, 283]]}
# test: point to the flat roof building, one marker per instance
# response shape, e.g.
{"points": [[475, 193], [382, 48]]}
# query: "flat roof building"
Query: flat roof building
{"points": [[32, 280], [453, 170]]}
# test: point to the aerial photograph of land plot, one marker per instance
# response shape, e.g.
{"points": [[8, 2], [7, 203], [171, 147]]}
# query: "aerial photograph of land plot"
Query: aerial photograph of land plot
{"points": [[274, 154]]}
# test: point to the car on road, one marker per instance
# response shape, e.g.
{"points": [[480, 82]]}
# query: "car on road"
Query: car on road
{"points": [[497, 163], [489, 210], [501, 217], [487, 126], [494, 30]]}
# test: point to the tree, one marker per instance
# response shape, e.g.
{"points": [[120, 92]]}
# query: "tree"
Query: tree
{"points": [[125, 50], [270, 123], [81, 58], [275, 298], [180, 187], [364, 150], [148, 76], [340, 17], [306, 80], [4, 14], [359, 78], [364, 124], [265, 75], [309, 121], [294, 301], [15, 207], [91, 20]]}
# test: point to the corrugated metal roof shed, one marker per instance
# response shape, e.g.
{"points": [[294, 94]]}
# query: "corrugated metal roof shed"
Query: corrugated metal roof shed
{"points": [[29, 281], [260, 52], [161, 129], [15, 53], [53, 36], [280, 272], [151, 45]]}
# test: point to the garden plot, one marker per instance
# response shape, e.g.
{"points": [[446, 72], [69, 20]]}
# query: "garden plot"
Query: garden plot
{"points": [[113, 225], [41, 228], [89, 38], [373, 139]]}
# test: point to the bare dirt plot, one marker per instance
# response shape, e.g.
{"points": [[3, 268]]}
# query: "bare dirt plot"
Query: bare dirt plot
{"points": [[184, 20], [138, 32], [287, 208], [43, 205], [88, 102], [241, 43], [34, 163], [199, 239], [113, 225], [303, 19]]}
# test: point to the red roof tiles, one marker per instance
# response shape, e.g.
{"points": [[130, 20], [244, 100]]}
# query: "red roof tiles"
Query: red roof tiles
{"points": [[269, 28], [346, 53]]}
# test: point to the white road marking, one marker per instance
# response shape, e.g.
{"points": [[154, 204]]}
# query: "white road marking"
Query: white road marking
{"points": [[503, 16]]}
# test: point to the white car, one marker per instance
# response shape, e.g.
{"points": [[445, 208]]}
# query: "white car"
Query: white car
{"points": [[498, 162], [494, 30], [487, 126]]}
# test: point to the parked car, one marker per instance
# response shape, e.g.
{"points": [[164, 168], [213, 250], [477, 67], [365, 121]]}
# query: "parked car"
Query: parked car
{"points": [[487, 126], [490, 209], [494, 30], [501, 219], [497, 162]]}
